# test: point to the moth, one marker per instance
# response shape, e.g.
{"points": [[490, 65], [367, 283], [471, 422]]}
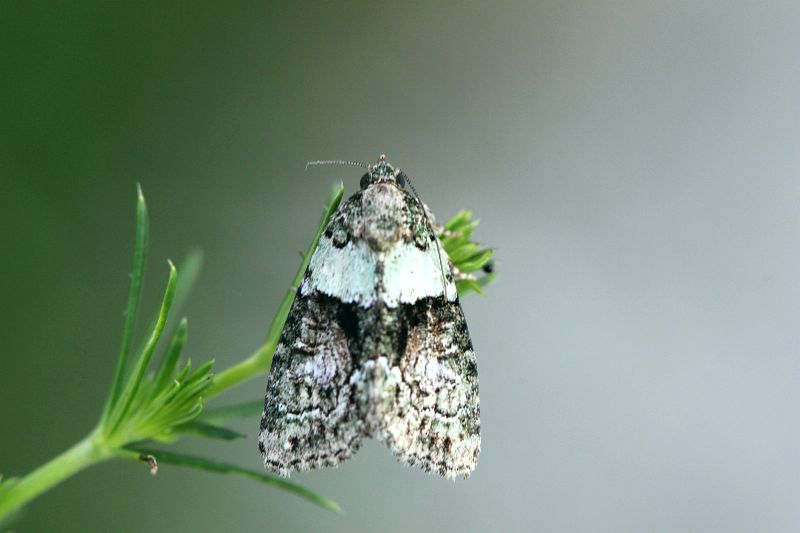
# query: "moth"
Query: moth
{"points": [[375, 344]]}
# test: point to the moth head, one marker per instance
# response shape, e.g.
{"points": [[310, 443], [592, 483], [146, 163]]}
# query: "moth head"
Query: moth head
{"points": [[382, 172]]}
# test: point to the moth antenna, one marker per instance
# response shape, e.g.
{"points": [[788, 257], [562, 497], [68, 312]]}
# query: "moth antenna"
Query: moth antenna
{"points": [[337, 162], [430, 225]]}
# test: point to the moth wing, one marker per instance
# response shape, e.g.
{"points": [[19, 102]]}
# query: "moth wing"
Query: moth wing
{"points": [[342, 266], [431, 410], [412, 273], [309, 419]]}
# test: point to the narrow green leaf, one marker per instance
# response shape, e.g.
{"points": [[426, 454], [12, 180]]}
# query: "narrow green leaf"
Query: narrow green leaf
{"points": [[476, 262], [203, 429], [135, 380], [225, 468], [180, 392], [459, 220], [199, 372], [466, 230], [187, 367], [229, 412], [170, 361], [464, 252], [465, 286], [259, 362], [164, 397], [188, 272], [185, 415], [132, 309], [456, 241], [190, 395]]}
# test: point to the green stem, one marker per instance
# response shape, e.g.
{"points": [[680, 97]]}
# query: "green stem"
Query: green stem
{"points": [[255, 365], [85, 453], [258, 364]]}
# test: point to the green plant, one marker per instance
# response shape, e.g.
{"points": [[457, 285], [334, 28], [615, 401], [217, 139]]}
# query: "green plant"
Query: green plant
{"points": [[150, 404]]}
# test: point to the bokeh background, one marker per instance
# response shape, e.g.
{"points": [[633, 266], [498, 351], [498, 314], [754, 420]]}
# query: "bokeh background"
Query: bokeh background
{"points": [[634, 163]]}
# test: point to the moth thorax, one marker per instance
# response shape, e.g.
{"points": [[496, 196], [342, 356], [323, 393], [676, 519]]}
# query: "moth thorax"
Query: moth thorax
{"points": [[383, 216]]}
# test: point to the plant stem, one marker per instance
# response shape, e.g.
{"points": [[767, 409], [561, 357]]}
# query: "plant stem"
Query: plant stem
{"points": [[83, 454], [258, 364], [255, 365]]}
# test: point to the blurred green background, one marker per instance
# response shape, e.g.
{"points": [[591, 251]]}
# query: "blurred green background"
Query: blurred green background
{"points": [[635, 163]]}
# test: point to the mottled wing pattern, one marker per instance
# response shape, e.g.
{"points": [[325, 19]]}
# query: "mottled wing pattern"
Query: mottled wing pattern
{"points": [[309, 419], [430, 413], [343, 266], [375, 344]]}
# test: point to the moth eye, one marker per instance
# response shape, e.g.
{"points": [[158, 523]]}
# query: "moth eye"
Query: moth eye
{"points": [[401, 180], [365, 180]]}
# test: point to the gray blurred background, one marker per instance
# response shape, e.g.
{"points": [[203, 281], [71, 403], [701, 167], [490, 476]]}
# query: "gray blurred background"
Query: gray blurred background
{"points": [[634, 163]]}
